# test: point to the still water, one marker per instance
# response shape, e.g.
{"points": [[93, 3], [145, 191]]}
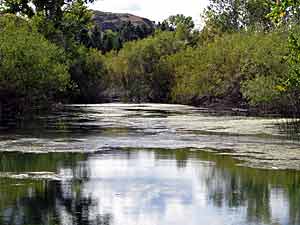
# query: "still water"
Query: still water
{"points": [[119, 164]]}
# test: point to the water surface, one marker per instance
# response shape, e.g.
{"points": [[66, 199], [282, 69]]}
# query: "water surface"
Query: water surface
{"points": [[148, 164]]}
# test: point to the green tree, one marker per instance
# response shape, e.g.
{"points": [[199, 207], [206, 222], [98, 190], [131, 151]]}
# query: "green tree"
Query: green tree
{"points": [[235, 15], [164, 26], [136, 72], [181, 20], [111, 41], [64, 22], [73, 28], [287, 12], [88, 74], [52, 10], [216, 71], [183, 27], [33, 72]]}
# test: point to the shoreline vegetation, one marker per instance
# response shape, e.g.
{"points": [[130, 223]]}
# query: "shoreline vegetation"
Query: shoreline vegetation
{"points": [[246, 57]]}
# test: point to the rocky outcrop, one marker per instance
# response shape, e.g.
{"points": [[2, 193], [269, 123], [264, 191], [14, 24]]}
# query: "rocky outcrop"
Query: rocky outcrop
{"points": [[113, 21]]}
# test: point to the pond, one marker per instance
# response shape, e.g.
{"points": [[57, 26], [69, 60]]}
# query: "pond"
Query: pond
{"points": [[150, 164]]}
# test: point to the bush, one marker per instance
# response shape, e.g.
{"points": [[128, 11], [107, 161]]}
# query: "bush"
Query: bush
{"points": [[262, 90], [280, 90], [217, 69], [136, 70], [33, 72], [88, 75]]}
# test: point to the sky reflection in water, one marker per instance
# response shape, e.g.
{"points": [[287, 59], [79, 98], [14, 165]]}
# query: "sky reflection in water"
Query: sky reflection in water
{"points": [[133, 187], [146, 165]]}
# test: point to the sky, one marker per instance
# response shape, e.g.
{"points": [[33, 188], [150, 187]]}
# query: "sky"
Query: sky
{"points": [[156, 10]]}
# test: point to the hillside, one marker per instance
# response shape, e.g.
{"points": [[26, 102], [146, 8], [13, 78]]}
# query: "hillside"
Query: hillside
{"points": [[113, 21]]}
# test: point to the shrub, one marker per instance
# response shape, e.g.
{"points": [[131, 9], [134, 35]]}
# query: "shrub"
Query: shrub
{"points": [[218, 68], [136, 69], [88, 75], [33, 72]]}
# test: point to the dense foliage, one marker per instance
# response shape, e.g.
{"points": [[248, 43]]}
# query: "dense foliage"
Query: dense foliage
{"points": [[88, 75], [240, 58], [32, 70], [230, 16], [136, 70], [246, 54], [219, 69]]}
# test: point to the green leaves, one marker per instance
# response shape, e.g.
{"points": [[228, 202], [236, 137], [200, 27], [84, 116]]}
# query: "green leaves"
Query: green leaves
{"points": [[219, 68], [89, 76], [182, 20], [293, 59], [138, 72], [283, 11], [32, 70], [236, 15]]}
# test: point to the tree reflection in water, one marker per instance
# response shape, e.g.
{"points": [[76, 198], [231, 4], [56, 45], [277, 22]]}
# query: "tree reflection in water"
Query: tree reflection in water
{"points": [[69, 201], [46, 202]]}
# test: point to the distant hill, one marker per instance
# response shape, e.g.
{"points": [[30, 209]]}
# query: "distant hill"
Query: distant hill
{"points": [[113, 21]]}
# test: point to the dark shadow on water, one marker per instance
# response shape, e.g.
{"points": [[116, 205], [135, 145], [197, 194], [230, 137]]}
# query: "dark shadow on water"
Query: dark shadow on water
{"points": [[290, 128]]}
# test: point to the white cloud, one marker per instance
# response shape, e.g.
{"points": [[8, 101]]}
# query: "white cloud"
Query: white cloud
{"points": [[157, 10]]}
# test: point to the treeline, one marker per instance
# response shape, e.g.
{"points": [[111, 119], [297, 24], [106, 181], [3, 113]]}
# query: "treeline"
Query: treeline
{"points": [[247, 54], [108, 40], [243, 57]]}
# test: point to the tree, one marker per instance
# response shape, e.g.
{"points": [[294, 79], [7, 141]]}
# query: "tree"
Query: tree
{"points": [[216, 71], [52, 10], [164, 26], [235, 15], [111, 41], [64, 22], [136, 70], [285, 11], [183, 27], [33, 72], [88, 74], [127, 32], [181, 20]]}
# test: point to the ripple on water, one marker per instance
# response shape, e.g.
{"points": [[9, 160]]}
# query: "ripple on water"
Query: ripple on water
{"points": [[94, 128]]}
